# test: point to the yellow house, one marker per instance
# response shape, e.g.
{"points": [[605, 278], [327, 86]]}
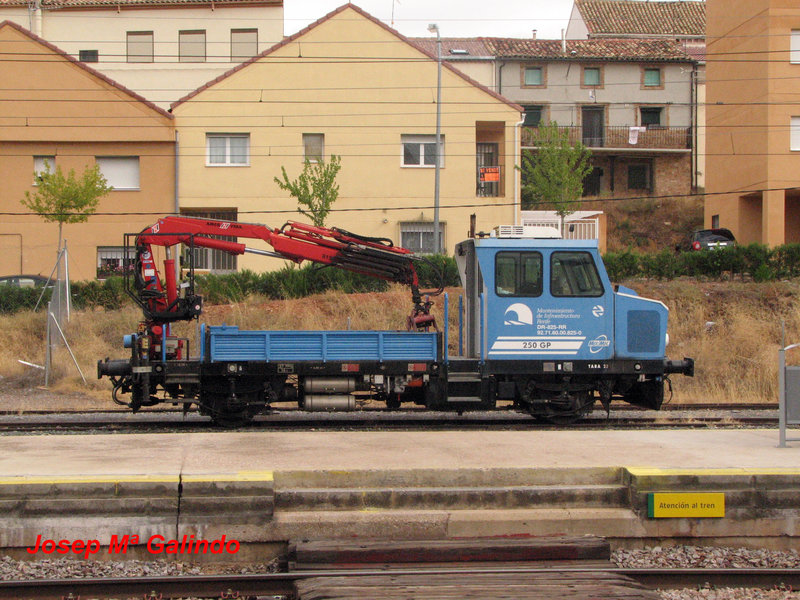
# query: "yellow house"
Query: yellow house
{"points": [[351, 86], [56, 110], [753, 120]]}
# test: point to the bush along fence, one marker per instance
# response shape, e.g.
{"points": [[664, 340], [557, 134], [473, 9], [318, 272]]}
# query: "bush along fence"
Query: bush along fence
{"points": [[755, 260]]}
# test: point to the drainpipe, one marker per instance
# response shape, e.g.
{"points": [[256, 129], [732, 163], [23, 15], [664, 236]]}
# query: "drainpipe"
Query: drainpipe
{"points": [[177, 206], [517, 170], [694, 124]]}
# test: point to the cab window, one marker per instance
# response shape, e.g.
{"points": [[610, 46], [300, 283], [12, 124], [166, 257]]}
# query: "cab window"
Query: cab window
{"points": [[574, 274], [518, 274]]}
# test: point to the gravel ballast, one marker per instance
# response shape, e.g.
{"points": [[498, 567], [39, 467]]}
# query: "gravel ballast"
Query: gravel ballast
{"points": [[655, 557]]}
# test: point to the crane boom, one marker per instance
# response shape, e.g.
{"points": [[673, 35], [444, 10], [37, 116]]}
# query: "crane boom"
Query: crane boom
{"points": [[298, 242]]}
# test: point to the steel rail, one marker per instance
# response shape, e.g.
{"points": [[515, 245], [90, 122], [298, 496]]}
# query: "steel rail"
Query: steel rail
{"points": [[215, 586], [371, 420]]}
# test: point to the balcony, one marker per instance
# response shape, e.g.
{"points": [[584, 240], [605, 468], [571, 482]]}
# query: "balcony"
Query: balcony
{"points": [[621, 137]]}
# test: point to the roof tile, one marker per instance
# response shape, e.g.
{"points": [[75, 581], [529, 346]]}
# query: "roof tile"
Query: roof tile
{"points": [[683, 18], [659, 50], [136, 3]]}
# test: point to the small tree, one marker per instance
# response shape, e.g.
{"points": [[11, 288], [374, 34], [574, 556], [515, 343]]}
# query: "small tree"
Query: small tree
{"points": [[315, 188], [66, 199], [553, 174]]}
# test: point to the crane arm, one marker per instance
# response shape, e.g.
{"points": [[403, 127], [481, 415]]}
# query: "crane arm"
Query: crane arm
{"points": [[298, 242]]}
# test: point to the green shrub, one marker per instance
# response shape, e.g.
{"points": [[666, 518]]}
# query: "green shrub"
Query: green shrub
{"points": [[14, 299]]}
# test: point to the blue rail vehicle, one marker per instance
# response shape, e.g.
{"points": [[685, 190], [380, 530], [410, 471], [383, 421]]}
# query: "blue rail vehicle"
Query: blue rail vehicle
{"points": [[545, 332], [545, 328]]}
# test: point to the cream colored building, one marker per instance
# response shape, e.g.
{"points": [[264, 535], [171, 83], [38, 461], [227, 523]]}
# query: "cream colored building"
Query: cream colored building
{"points": [[754, 119], [161, 49], [349, 85], [56, 109]]}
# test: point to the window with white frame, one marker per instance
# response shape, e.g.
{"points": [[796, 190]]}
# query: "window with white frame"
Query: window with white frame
{"points": [[420, 150], [794, 52], [227, 149], [244, 44], [140, 46], [121, 172], [42, 164], [313, 146], [418, 237], [192, 46], [795, 134], [113, 260]]}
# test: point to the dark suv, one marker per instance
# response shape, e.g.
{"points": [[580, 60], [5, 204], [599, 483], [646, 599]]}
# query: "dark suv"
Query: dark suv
{"points": [[711, 239]]}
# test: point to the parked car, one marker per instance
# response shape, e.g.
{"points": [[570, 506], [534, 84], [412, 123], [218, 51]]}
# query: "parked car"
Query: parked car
{"points": [[709, 239], [26, 281]]}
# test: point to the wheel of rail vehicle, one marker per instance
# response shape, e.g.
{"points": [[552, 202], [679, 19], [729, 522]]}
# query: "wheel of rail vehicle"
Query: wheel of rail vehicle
{"points": [[558, 405], [230, 410]]}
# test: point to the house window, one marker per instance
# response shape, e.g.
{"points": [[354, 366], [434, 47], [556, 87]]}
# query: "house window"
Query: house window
{"points": [[207, 259], [715, 221], [244, 44], [88, 55], [140, 46], [592, 77], [795, 134], [651, 78], [640, 176], [42, 164], [650, 116], [192, 46], [794, 53], [112, 260], [533, 76], [418, 237], [420, 151], [227, 149], [313, 146], [533, 116], [121, 172]]}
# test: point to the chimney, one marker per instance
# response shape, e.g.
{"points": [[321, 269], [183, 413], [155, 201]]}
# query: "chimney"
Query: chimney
{"points": [[563, 41], [534, 34]]}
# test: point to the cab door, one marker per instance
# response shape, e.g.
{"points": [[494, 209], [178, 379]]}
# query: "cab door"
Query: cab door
{"points": [[578, 310]]}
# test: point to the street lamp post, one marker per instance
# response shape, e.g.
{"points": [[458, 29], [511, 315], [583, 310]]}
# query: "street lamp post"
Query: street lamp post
{"points": [[434, 28]]}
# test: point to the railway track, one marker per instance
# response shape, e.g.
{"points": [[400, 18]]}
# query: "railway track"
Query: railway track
{"points": [[679, 416], [283, 584]]}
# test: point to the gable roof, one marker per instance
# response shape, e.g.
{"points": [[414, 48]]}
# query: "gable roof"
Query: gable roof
{"points": [[121, 4], [625, 50], [619, 18], [328, 17], [88, 69]]}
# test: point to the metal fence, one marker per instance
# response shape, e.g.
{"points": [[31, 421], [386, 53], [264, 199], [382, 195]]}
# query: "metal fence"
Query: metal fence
{"points": [[577, 229]]}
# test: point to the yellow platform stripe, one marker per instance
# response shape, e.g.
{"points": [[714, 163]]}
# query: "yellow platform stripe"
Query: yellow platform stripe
{"points": [[200, 478], [654, 472]]}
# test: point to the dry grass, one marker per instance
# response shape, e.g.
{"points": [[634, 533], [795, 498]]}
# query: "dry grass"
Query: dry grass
{"points": [[736, 357]]}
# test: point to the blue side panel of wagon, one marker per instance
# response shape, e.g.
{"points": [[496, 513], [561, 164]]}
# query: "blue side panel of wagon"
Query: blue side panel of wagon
{"points": [[230, 344]]}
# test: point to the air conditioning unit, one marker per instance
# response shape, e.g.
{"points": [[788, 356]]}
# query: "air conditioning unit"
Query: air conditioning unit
{"points": [[526, 231]]}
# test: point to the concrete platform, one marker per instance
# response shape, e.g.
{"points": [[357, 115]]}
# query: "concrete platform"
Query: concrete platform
{"points": [[268, 487]]}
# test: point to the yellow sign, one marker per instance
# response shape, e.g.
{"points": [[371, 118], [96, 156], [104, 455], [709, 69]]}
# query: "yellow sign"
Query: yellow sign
{"points": [[675, 505]]}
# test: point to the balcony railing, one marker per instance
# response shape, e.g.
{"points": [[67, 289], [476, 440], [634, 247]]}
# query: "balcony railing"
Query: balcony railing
{"points": [[658, 138]]}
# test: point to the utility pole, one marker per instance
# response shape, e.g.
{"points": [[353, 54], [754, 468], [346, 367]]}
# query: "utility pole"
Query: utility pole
{"points": [[433, 27]]}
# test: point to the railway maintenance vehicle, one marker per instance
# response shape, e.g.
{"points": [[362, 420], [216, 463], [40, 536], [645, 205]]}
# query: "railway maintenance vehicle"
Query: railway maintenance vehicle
{"points": [[546, 332]]}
